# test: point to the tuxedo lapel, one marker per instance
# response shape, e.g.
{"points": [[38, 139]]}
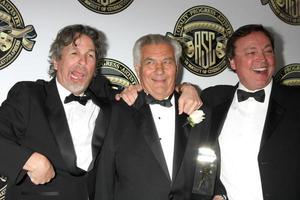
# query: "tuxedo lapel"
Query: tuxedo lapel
{"points": [[274, 115], [59, 126], [101, 126], [219, 114], [145, 124], [181, 135]]}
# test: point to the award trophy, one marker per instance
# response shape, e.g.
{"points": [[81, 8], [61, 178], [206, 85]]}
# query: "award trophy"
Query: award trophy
{"points": [[205, 172]]}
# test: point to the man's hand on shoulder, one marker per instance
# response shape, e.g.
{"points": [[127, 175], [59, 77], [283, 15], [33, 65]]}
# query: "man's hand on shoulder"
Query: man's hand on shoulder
{"points": [[220, 197], [189, 99], [129, 94], [188, 102]]}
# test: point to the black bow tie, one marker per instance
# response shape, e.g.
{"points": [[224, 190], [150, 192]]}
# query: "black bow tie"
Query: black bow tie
{"points": [[164, 102], [258, 95], [81, 99]]}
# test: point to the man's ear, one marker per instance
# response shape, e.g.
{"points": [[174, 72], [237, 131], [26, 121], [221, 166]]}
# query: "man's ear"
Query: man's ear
{"points": [[137, 70], [54, 63], [232, 64]]}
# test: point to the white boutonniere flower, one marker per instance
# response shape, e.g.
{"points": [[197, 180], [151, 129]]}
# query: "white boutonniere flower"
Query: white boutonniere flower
{"points": [[196, 117]]}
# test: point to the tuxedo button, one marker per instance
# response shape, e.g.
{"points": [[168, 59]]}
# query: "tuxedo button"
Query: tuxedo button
{"points": [[267, 196], [264, 163]]}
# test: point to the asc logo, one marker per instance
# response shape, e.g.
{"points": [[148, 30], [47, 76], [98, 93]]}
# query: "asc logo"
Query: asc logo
{"points": [[117, 73], [287, 10], [289, 75], [203, 32], [14, 36], [106, 6]]}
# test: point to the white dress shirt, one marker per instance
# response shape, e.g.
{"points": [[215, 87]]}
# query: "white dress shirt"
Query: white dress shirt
{"points": [[164, 119], [239, 144], [81, 120]]}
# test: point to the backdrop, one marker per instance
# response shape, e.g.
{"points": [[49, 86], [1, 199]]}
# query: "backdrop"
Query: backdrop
{"points": [[27, 28], [124, 21]]}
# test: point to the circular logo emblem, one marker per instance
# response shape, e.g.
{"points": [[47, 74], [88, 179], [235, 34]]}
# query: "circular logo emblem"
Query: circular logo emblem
{"points": [[289, 75], [287, 10], [106, 6], [117, 73], [203, 32], [13, 34]]}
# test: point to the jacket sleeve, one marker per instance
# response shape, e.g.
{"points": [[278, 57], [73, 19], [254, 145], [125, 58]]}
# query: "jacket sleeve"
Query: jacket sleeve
{"points": [[219, 188], [101, 88], [13, 121]]}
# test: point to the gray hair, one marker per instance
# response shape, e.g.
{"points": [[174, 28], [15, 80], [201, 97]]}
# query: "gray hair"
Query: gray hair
{"points": [[70, 34], [155, 39]]}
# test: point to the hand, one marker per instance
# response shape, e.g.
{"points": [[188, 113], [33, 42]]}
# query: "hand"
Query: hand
{"points": [[189, 99], [218, 197], [39, 169], [129, 94]]}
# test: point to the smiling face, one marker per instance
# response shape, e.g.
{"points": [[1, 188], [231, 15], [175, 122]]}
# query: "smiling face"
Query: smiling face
{"points": [[77, 64], [157, 71], [254, 60]]}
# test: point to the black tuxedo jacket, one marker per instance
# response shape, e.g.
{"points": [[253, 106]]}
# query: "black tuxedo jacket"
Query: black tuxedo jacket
{"points": [[279, 154], [32, 119], [132, 164]]}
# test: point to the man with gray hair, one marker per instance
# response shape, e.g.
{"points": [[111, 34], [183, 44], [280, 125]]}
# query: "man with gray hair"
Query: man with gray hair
{"points": [[150, 150]]}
